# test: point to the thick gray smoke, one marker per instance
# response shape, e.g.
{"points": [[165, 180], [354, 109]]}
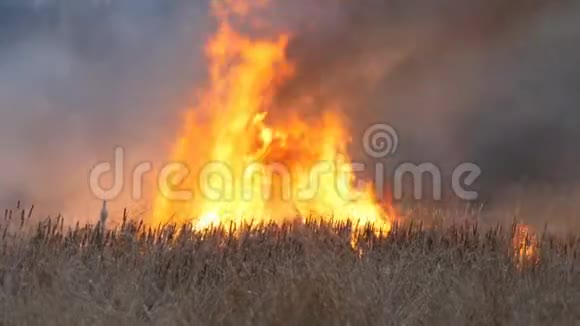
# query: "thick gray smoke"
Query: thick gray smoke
{"points": [[490, 82], [487, 81]]}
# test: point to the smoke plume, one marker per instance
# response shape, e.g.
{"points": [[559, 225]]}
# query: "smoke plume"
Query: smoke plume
{"points": [[491, 82]]}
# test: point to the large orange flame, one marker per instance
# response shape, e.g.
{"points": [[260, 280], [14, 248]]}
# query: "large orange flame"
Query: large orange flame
{"points": [[245, 168]]}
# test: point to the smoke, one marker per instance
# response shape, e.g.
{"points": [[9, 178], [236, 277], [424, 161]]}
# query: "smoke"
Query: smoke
{"points": [[491, 82], [78, 78]]}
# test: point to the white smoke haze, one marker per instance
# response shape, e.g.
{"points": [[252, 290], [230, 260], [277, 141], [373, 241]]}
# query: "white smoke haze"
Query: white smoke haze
{"points": [[492, 82], [77, 79]]}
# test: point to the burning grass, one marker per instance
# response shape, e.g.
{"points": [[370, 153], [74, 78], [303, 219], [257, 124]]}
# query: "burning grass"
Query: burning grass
{"points": [[290, 274]]}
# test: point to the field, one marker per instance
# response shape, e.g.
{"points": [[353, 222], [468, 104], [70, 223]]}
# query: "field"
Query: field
{"points": [[314, 273]]}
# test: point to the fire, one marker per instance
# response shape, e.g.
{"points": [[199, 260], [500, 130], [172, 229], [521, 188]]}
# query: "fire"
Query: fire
{"points": [[246, 167], [525, 245]]}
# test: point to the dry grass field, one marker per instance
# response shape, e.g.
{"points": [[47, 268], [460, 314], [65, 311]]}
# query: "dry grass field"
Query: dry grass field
{"points": [[296, 274]]}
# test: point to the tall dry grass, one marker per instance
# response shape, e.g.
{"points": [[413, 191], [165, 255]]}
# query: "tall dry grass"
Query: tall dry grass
{"points": [[294, 274]]}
